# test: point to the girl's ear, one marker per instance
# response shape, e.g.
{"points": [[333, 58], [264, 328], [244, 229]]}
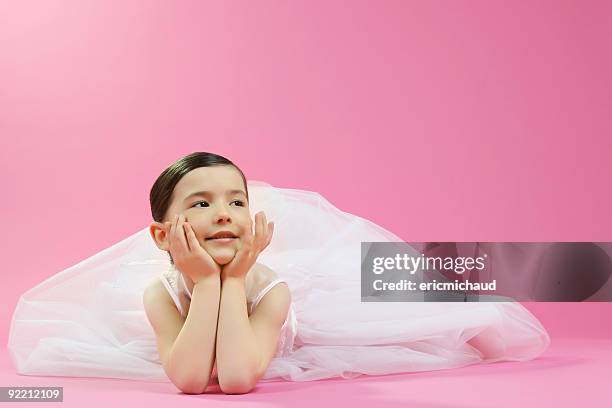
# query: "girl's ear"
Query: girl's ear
{"points": [[159, 235]]}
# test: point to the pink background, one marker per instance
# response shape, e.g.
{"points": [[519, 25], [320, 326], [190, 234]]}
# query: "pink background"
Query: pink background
{"points": [[441, 121]]}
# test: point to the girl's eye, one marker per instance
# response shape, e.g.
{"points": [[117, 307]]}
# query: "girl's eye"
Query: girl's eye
{"points": [[235, 201]]}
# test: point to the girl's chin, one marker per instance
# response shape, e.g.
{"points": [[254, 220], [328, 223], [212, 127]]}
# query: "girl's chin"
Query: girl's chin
{"points": [[222, 254], [223, 259]]}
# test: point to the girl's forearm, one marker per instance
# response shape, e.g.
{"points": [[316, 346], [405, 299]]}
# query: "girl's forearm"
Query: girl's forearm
{"points": [[238, 354], [193, 353]]}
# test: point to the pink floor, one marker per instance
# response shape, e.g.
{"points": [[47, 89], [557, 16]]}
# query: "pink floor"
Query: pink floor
{"points": [[572, 372]]}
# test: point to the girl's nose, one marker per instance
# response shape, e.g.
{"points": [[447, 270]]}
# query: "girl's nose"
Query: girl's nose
{"points": [[223, 215]]}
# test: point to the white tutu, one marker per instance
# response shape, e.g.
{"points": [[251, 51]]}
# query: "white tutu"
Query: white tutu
{"points": [[89, 321]]}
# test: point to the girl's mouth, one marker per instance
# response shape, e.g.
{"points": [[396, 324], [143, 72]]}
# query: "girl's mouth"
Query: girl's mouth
{"points": [[220, 240]]}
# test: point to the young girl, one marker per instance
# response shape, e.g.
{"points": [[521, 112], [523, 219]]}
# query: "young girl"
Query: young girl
{"points": [[200, 207], [280, 302]]}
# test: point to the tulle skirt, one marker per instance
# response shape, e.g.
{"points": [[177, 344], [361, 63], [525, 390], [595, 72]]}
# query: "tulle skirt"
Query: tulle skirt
{"points": [[89, 321]]}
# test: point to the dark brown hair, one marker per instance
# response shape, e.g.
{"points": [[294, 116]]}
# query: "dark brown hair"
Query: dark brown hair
{"points": [[162, 189]]}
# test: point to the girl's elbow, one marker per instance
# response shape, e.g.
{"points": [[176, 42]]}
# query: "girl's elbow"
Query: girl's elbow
{"points": [[238, 384], [191, 388], [191, 385]]}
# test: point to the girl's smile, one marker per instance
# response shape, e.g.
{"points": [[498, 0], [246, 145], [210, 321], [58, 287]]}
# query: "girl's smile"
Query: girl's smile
{"points": [[221, 240]]}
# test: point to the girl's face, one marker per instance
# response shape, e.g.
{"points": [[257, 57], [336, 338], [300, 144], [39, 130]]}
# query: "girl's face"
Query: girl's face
{"points": [[213, 199]]}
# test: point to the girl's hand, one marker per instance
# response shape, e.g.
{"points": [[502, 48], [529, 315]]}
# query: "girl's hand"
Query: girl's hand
{"points": [[251, 247], [188, 255]]}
